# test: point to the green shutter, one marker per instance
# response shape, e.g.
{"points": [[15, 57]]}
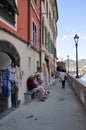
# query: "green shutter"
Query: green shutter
{"points": [[43, 31]]}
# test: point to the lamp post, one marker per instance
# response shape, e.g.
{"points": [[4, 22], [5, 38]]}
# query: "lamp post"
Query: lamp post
{"points": [[76, 38], [68, 62]]}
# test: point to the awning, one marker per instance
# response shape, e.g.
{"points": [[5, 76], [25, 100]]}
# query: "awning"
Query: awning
{"points": [[13, 4]]}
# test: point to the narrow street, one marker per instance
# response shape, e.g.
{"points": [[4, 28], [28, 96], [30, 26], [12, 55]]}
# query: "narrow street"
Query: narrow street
{"points": [[62, 110]]}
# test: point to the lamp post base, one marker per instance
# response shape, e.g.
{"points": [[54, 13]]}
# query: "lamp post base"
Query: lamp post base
{"points": [[77, 76]]}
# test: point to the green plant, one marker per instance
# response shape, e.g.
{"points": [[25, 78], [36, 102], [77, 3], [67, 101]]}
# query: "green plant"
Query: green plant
{"points": [[39, 69]]}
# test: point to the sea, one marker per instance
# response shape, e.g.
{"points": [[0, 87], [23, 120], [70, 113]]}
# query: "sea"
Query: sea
{"points": [[83, 78]]}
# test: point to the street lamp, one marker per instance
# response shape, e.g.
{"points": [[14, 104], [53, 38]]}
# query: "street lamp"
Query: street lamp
{"points": [[68, 62], [76, 38]]}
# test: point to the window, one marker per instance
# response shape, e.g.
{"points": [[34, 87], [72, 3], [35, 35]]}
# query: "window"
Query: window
{"points": [[34, 33], [50, 1], [38, 64], [43, 3], [35, 2], [43, 30], [49, 42], [46, 38], [47, 8], [50, 45], [52, 48], [2, 3], [49, 18], [29, 62], [43, 0], [12, 3], [8, 9]]}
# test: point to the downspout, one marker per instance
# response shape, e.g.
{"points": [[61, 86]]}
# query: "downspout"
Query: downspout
{"points": [[40, 30], [28, 42]]}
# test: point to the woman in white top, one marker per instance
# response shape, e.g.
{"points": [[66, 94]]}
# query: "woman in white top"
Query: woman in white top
{"points": [[63, 78]]}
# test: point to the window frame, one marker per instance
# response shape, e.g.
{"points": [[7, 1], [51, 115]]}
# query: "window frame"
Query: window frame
{"points": [[8, 15], [36, 2], [43, 30], [34, 33], [47, 8]]}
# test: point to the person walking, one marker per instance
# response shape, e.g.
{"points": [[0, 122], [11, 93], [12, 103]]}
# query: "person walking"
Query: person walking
{"points": [[63, 76]]}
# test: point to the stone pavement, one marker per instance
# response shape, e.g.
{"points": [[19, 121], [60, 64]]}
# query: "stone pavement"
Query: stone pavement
{"points": [[62, 110]]}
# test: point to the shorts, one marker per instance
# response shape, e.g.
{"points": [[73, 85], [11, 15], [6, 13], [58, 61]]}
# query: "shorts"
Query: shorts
{"points": [[34, 90]]}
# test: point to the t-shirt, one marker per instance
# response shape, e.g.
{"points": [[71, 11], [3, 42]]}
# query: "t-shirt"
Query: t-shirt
{"points": [[62, 75]]}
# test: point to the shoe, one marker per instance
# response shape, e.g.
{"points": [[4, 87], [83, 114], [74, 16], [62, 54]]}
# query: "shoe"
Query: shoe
{"points": [[47, 92], [44, 97], [42, 100]]}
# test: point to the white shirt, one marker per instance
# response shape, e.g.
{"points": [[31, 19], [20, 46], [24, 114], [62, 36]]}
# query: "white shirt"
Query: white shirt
{"points": [[62, 75]]}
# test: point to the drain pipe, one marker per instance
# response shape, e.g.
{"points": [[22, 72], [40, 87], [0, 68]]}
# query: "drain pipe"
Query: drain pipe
{"points": [[28, 42], [40, 30]]}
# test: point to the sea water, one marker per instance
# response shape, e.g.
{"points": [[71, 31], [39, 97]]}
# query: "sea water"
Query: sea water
{"points": [[83, 78]]}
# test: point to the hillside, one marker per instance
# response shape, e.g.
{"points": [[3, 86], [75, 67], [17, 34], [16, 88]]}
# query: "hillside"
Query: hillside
{"points": [[72, 64]]}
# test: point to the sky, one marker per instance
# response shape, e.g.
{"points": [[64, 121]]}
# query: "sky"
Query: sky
{"points": [[71, 21]]}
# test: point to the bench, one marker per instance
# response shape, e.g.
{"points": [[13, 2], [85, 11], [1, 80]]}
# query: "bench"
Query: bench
{"points": [[29, 96]]}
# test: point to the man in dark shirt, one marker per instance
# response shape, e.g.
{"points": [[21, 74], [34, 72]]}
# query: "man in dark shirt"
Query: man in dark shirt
{"points": [[31, 86]]}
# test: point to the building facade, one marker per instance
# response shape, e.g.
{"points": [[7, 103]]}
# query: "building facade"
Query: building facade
{"points": [[49, 17], [27, 45], [34, 34], [13, 51]]}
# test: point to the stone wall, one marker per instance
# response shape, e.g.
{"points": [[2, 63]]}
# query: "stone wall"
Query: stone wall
{"points": [[79, 87]]}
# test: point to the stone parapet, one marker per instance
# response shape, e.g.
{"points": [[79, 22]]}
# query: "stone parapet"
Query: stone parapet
{"points": [[79, 88]]}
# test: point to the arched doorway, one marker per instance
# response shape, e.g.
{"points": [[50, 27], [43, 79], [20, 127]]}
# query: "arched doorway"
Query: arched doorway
{"points": [[9, 56], [9, 49]]}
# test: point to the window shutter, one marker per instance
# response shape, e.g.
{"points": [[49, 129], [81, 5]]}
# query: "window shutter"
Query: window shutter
{"points": [[13, 4]]}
